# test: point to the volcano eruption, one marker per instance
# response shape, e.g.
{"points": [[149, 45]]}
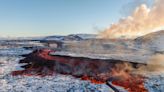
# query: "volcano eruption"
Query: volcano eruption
{"points": [[110, 72]]}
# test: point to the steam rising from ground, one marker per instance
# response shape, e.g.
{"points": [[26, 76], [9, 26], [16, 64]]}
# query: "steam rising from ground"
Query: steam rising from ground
{"points": [[155, 65], [143, 20]]}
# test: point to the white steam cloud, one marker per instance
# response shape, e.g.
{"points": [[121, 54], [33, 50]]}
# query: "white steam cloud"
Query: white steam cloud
{"points": [[143, 20]]}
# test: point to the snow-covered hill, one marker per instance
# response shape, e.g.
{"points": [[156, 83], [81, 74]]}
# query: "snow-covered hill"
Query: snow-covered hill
{"points": [[153, 41], [71, 37], [85, 36]]}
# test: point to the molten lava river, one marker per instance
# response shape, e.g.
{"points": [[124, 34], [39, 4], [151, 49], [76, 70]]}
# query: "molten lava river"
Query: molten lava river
{"points": [[111, 72]]}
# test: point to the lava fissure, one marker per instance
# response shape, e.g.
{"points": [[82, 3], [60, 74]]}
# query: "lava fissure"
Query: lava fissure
{"points": [[40, 63]]}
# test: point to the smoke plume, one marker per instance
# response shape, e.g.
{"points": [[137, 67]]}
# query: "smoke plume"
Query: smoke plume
{"points": [[143, 20]]}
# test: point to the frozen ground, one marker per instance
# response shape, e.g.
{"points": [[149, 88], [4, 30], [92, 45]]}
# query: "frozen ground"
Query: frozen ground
{"points": [[155, 83], [9, 58], [133, 57]]}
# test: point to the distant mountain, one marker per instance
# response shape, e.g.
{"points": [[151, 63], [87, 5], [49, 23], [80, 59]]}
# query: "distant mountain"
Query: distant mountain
{"points": [[71, 37], [85, 36], [21, 38], [55, 37]]}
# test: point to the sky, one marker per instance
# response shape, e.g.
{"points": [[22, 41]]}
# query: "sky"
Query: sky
{"points": [[22, 18]]}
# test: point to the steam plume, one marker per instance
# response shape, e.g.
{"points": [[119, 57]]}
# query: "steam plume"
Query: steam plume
{"points": [[156, 64], [143, 20]]}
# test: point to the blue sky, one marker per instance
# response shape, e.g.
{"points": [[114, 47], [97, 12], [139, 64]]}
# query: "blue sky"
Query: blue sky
{"points": [[53, 17]]}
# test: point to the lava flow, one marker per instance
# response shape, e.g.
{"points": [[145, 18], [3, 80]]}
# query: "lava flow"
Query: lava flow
{"points": [[41, 63]]}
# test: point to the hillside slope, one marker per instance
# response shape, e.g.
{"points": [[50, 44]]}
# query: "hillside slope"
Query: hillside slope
{"points": [[153, 41]]}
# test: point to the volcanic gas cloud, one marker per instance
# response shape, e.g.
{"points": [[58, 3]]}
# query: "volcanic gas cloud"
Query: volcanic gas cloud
{"points": [[143, 20]]}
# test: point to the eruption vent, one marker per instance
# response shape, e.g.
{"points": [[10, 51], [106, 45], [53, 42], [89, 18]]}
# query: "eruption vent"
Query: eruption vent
{"points": [[112, 72], [143, 20]]}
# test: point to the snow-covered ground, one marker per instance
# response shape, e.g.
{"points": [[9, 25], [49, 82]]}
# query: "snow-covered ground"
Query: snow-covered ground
{"points": [[58, 83], [132, 57], [155, 83]]}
